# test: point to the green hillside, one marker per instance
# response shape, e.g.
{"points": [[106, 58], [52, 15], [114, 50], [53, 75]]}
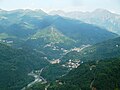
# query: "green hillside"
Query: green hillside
{"points": [[50, 41], [100, 75], [95, 75], [106, 49], [15, 66], [33, 41], [52, 35]]}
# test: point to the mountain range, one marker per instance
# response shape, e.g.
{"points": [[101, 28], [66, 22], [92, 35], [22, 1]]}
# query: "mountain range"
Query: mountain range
{"points": [[75, 52], [100, 17], [37, 29]]}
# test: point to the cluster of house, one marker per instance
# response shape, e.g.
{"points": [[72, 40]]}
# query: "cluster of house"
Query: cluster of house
{"points": [[72, 64], [55, 61], [6, 41]]}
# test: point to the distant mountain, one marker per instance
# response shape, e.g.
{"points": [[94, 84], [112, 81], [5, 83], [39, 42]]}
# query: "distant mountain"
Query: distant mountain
{"points": [[99, 17], [82, 32], [21, 23], [15, 64], [24, 23]]}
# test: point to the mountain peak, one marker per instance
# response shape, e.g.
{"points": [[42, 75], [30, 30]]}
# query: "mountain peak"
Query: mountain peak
{"points": [[101, 11], [51, 34], [57, 12], [1, 10], [37, 12]]}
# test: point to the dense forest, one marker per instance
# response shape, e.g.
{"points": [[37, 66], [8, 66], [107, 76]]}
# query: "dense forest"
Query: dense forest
{"points": [[15, 64], [94, 75]]}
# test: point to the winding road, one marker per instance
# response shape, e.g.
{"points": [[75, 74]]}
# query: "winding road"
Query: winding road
{"points": [[36, 74]]}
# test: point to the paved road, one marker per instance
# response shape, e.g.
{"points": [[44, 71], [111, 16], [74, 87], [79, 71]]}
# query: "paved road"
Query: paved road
{"points": [[38, 78]]}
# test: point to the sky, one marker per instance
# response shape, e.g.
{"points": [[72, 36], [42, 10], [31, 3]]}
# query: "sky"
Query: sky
{"points": [[65, 5]]}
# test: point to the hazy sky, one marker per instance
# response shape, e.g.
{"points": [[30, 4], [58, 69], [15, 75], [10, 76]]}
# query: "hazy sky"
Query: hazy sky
{"points": [[66, 5]]}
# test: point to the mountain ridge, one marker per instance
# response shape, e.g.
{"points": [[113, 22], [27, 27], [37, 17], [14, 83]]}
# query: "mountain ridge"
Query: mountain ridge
{"points": [[100, 17]]}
